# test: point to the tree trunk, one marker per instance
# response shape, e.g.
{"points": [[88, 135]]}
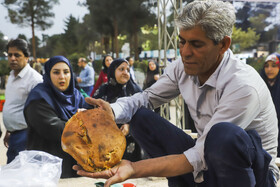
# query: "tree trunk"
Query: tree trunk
{"points": [[112, 39], [116, 37], [102, 43], [131, 52], [33, 39], [135, 37], [106, 44]]}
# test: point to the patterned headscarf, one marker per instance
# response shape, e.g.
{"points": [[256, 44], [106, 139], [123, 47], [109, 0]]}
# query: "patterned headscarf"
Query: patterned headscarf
{"points": [[274, 58]]}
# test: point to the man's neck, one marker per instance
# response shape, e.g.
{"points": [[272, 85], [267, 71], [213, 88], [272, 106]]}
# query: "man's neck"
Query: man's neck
{"points": [[16, 73]]}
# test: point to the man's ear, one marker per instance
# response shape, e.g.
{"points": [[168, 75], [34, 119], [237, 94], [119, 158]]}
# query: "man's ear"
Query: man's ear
{"points": [[225, 44]]}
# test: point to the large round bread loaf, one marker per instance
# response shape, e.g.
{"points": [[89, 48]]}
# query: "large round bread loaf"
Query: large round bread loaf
{"points": [[94, 140]]}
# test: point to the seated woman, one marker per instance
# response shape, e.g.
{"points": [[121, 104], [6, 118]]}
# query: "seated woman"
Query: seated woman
{"points": [[120, 85], [271, 76], [49, 106], [152, 74]]}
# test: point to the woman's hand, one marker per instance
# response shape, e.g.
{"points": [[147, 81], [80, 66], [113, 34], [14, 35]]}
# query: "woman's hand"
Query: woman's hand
{"points": [[156, 77], [125, 129], [102, 104], [6, 139], [117, 174]]}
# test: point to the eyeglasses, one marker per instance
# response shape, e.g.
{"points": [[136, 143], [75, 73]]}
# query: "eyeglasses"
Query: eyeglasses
{"points": [[17, 55]]}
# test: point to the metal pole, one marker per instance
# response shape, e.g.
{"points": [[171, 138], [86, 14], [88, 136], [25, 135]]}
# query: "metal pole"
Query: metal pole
{"points": [[167, 41]]}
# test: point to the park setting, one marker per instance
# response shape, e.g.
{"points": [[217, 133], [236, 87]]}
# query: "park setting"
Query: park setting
{"points": [[140, 93]]}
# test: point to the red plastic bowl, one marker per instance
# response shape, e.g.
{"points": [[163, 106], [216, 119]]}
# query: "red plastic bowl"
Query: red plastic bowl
{"points": [[129, 185]]}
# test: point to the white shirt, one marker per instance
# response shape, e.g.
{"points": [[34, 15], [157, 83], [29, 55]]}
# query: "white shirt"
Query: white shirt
{"points": [[233, 93], [16, 93], [132, 74]]}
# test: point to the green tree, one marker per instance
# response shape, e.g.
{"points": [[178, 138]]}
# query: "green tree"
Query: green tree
{"points": [[70, 39], [4, 67], [102, 14], [86, 35], [34, 13], [22, 36], [149, 37], [242, 16], [112, 18], [256, 15], [138, 14], [3, 44], [256, 63], [50, 47], [259, 22], [243, 39], [37, 44]]}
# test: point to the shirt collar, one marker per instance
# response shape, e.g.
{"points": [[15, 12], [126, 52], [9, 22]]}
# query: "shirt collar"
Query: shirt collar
{"points": [[212, 80], [23, 71]]}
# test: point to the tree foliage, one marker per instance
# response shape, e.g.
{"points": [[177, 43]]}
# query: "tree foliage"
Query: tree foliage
{"points": [[4, 67], [31, 13], [244, 39], [110, 23], [242, 16], [3, 44], [112, 18], [257, 16]]}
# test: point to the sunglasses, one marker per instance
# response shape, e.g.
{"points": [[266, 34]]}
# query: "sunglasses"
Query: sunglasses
{"points": [[17, 55]]}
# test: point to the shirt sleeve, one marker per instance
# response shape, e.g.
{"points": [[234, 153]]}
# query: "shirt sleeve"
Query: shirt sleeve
{"points": [[41, 117], [89, 75]]}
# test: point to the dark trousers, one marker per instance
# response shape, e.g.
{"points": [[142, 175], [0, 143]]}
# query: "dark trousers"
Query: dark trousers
{"points": [[17, 143], [234, 157], [87, 89]]}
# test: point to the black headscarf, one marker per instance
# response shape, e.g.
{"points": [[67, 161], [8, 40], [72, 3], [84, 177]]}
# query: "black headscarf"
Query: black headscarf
{"points": [[150, 80], [105, 68], [64, 103], [112, 90]]}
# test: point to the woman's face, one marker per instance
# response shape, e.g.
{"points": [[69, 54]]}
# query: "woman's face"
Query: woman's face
{"points": [[60, 76], [108, 61], [131, 61], [152, 66], [271, 69], [122, 73]]}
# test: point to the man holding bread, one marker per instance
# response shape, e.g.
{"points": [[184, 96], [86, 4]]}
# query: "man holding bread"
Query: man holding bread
{"points": [[230, 104]]}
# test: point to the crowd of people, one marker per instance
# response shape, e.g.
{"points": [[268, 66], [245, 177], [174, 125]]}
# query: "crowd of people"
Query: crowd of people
{"points": [[235, 110], [38, 106]]}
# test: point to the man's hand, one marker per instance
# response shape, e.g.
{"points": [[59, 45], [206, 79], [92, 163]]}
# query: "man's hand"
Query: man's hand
{"points": [[6, 139], [125, 129], [102, 104], [119, 173], [79, 80]]}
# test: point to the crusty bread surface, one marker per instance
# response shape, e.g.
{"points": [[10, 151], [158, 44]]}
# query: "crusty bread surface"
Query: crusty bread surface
{"points": [[94, 140]]}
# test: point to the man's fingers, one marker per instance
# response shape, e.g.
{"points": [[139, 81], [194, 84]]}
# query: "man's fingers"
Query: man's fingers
{"points": [[112, 180], [77, 167], [99, 102], [80, 171], [91, 101]]}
